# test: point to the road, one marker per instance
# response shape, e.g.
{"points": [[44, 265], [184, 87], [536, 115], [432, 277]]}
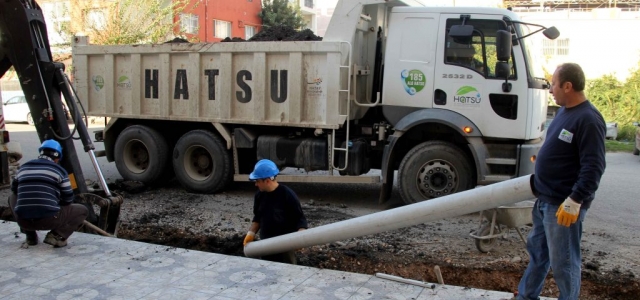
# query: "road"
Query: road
{"points": [[29, 142], [614, 214]]}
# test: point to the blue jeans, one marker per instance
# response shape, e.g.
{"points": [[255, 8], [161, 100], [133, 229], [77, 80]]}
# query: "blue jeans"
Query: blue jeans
{"points": [[552, 245]]}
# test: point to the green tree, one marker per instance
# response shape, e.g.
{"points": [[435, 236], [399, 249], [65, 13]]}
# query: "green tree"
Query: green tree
{"points": [[134, 21], [617, 101], [280, 12]]}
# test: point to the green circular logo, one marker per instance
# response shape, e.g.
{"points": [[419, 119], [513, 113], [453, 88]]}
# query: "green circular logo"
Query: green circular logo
{"points": [[98, 81], [414, 81]]}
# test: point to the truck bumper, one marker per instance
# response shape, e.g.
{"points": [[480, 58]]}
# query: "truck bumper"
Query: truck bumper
{"points": [[528, 155]]}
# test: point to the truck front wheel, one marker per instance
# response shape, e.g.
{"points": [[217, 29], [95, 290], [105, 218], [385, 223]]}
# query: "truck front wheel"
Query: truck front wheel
{"points": [[433, 169], [141, 154], [201, 162]]}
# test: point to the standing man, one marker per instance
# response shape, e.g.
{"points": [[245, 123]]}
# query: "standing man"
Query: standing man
{"points": [[276, 209], [42, 198], [568, 170]]}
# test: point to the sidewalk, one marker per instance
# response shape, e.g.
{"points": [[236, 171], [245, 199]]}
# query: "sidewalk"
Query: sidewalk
{"points": [[97, 267]]}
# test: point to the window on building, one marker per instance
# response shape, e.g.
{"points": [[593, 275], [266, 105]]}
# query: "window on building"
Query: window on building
{"points": [[308, 3], [249, 31], [221, 29], [557, 47], [96, 18], [58, 19], [189, 23]]}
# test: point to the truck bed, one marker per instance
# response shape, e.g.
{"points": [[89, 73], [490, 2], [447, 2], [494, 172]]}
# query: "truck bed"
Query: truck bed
{"points": [[266, 83]]}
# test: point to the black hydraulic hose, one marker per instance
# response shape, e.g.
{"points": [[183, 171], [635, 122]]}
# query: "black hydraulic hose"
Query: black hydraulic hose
{"points": [[76, 112], [64, 86]]}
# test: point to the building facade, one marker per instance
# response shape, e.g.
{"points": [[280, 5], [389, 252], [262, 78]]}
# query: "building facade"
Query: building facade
{"points": [[308, 10], [215, 20], [594, 33], [199, 21]]}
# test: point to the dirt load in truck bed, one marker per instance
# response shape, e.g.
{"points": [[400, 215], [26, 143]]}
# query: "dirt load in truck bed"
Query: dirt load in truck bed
{"points": [[279, 33]]}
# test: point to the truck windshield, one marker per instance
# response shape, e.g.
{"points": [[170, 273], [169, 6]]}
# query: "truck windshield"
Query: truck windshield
{"points": [[532, 58]]}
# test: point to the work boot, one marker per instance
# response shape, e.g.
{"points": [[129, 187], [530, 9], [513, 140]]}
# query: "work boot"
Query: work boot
{"points": [[32, 238], [55, 240]]}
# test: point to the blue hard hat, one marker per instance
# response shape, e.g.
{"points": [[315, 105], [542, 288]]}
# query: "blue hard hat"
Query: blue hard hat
{"points": [[52, 145], [264, 169]]}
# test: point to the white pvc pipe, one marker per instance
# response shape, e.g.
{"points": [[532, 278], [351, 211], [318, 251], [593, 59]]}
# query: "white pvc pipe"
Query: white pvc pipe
{"points": [[482, 198]]}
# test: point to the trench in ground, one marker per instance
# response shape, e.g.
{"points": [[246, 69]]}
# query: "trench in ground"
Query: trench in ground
{"points": [[366, 260], [499, 277]]}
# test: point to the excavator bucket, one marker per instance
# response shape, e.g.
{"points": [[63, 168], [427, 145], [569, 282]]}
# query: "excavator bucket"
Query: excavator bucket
{"points": [[108, 216]]}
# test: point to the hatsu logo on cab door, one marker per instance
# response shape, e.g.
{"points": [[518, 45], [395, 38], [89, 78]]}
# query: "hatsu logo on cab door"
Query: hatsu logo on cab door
{"points": [[467, 96]]}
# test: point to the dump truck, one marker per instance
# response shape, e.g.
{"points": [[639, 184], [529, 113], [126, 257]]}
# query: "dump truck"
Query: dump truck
{"points": [[449, 97]]}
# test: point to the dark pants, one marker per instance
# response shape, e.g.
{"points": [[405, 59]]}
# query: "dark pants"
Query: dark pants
{"points": [[64, 223]]}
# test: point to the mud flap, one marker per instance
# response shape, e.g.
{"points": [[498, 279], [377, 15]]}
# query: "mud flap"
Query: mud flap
{"points": [[388, 158]]}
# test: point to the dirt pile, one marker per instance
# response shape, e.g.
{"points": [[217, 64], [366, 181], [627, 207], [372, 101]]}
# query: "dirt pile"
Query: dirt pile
{"points": [[279, 33]]}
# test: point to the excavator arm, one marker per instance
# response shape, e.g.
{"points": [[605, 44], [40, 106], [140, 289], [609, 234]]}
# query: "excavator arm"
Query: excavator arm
{"points": [[24, 45]]}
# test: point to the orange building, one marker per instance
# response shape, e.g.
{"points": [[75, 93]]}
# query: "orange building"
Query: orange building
{"points": [[214, 20]]}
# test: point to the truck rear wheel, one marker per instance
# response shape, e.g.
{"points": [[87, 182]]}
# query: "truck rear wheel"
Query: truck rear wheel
{"points": [[433, 169], [141, 154], [201, 162]]}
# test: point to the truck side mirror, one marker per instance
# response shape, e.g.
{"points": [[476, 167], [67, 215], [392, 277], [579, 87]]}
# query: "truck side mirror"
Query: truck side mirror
{"points": [[503, 70], [503, 45], [551, 33], [461, 34]]}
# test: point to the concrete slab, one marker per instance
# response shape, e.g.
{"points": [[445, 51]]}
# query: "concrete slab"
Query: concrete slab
{"points": [[96, 267]]}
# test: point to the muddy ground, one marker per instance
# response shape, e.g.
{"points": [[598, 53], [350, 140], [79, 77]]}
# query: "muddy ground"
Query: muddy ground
{"points": [[217, 223]]}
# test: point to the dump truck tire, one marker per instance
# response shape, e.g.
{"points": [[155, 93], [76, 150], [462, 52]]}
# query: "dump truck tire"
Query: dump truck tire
{"points": [[433, 169], [201, 162], [141, 154]]}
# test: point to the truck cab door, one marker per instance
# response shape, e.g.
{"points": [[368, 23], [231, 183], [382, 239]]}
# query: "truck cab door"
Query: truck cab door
{"points": [[410, 61], [465, 79]]}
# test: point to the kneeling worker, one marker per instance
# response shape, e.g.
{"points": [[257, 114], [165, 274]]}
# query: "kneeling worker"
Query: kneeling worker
{"points": [[42, 198], [276, 209]]}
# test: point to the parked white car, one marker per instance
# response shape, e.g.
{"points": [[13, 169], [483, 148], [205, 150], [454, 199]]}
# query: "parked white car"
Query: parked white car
{"points": [[16, 109], [612, 131]]}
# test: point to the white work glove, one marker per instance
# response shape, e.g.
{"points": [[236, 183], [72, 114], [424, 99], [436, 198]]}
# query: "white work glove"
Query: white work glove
{"points": [[568, 212], [249, 238]]}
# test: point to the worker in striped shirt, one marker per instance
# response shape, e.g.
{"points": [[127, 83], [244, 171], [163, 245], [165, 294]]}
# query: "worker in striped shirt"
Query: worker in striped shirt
{"points": [[42, 198]]}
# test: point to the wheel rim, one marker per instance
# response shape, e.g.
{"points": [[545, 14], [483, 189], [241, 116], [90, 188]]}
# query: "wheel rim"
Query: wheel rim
{"points": [[137, 156], [198, 163], [437, 178], [486, 245]]}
